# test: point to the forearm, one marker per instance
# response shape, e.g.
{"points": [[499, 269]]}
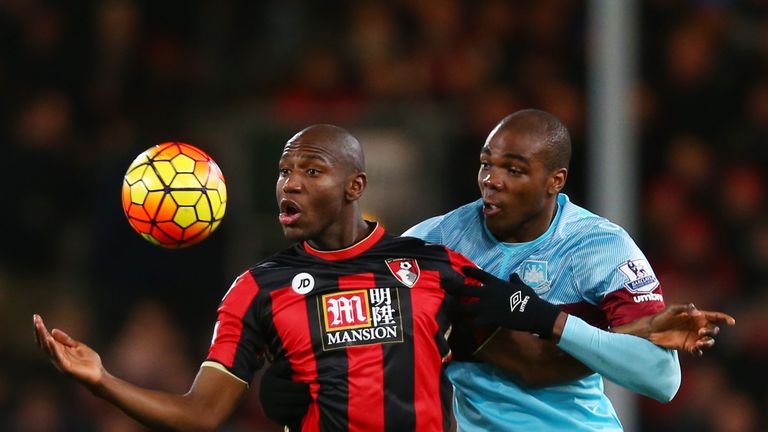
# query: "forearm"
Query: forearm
{"points": [[155, 409], [629, 361], [640, 327], [535, 362]]}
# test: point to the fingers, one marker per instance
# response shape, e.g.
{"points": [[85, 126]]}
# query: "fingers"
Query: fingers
{"points": [[702, 344], [719, 317], [478, 274], [35, 330], [42, 337], [705, 342], [463, 290], [63, 338], [471, 309], [709, 330]]}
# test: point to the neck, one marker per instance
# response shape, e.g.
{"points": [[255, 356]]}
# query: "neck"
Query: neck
{"points": [[534, 227], [345, 235]]}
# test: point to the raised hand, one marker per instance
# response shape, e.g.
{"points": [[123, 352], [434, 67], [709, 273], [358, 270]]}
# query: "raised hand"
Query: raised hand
{"points": [[683, 327], [68, 355], [513, 305]]}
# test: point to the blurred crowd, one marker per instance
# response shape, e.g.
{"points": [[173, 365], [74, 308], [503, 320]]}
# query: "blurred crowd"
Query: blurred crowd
{"points": [[87, 85]]}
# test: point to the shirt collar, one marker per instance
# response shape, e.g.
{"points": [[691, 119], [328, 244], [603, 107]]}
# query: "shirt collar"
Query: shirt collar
{"points": [[351, 251]]}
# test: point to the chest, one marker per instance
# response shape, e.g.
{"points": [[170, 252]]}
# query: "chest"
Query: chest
{"points": [[548, 268], [328, 309]]}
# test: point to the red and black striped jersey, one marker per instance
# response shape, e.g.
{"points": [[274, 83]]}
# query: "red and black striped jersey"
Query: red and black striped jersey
{"points": [[365, 326]]}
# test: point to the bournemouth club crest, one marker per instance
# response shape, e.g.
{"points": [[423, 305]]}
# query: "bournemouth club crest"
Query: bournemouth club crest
{"points": [[406, 270]]}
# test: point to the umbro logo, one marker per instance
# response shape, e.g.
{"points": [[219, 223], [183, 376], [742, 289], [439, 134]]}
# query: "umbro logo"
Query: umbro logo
{"points": [[516, 300]]}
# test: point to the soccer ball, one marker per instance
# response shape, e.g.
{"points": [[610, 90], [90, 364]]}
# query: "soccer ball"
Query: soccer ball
{"points": [[174, 195]]}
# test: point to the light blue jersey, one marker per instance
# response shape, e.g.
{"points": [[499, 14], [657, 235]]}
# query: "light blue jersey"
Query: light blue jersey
{"points": [[588, 266]]}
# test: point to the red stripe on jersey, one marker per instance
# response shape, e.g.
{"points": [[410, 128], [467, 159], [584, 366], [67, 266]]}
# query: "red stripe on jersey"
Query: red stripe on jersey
{"points": [[354, 250], [458, 261], [425, 304], [357, 281], [229, 326], [289, 314], [622, 306], [365, 404]]}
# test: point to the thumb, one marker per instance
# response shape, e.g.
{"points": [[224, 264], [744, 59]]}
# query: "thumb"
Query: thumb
{"points": [[479, 274], [63, 338]]}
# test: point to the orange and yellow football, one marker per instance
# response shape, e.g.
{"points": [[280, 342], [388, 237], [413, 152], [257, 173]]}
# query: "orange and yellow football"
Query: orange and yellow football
{"points": [[174, 195]]}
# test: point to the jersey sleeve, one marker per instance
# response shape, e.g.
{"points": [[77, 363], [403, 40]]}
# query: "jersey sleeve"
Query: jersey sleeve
{"points": [[429, 230], [613, 274], [238, 344]]}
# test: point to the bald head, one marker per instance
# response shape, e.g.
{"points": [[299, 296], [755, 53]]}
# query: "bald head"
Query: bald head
{"points": [[546, 128], [340, 145]]}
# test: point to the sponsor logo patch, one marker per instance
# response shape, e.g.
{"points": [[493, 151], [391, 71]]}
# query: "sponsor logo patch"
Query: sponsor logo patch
{"points": [[648, 297], [360, 317], [406, 270], [640, 275], [303, 283]]}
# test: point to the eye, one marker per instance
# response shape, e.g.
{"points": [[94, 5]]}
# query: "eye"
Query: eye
{"points": [[514, 171], [484, 165], [284, 172], [313, 172]]}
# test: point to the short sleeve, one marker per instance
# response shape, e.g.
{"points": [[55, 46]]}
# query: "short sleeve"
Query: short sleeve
{"points": [[238, 344], [612, 273], [428, 230]]}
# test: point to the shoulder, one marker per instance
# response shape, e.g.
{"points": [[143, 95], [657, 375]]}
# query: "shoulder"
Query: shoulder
{"points": [[408, 245], [431, 254], [588, 228], [272, 272], [285, 258], [432, 229]]}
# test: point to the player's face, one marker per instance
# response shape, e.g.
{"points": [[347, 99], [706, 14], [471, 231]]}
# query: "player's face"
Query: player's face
{"points": [[518, 190], [310, 189]]}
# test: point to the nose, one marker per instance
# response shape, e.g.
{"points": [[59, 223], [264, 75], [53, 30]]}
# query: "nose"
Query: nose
{"points": [[291, 184], [491, 182]]}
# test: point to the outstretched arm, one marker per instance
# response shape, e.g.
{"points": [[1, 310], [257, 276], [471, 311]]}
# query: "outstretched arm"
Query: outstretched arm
{"points": [[642, 367], [515, 306], [211, 399], [539, 362]]}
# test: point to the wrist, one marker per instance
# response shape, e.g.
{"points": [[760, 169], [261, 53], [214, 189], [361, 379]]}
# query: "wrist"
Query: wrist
{"points": [[546, 315], [101, 384], [559, 326]]}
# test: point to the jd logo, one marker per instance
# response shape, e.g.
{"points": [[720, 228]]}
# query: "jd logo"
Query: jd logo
{"points": [[303, 283]]}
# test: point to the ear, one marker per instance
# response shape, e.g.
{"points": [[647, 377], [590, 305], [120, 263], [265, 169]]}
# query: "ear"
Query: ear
{"points": [[557, 181], [356, 184]]}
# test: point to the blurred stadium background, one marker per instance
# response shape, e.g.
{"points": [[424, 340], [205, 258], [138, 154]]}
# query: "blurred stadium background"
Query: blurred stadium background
{"points": [[87, 85]]}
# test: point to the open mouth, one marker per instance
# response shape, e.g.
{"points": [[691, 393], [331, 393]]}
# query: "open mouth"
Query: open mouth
{"points": [[290, 212], [490, 209]]}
